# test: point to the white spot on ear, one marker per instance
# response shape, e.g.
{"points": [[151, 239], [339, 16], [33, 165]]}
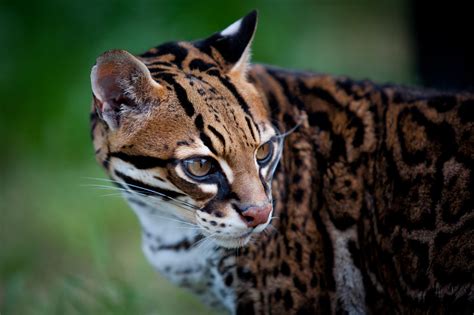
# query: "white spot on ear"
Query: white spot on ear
{"points": [[232, 29]]}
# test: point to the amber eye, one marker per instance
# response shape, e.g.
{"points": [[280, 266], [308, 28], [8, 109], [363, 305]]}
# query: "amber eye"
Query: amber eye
{"points": [[264, 152], [198, 167]]}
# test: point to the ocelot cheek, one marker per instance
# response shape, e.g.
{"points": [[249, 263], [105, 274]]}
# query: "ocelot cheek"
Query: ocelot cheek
{"points": [[219, 217]]}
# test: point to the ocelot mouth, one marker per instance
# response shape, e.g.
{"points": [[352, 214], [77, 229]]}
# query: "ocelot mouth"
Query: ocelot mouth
{"points": [[233, 242]]}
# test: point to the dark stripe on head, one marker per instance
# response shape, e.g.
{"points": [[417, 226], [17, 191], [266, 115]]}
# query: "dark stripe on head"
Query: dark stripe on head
{"points": [[181, 93], [157, 70], [200, 65], [141, 162], [172, 48], [217, 134], [233, 90], [207, 142], [161, 63], [249, 124], [199, 122], [146, 189]]}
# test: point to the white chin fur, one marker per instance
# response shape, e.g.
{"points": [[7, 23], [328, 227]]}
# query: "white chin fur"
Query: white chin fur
{"points": [[229, 242]]}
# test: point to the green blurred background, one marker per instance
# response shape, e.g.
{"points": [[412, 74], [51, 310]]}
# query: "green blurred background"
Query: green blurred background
{"points": [[65, 248]]}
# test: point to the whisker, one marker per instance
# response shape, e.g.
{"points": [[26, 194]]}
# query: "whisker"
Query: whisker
{"points": [[177, 201], [105, 187], [175, 220], [208, 237], [190, 228], [149, 190], [287, 133]]}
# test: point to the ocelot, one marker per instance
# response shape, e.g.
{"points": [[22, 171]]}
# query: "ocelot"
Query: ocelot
{"points": [[270, 191]]}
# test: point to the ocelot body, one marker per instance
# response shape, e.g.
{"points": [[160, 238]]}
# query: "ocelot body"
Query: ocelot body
{"points": [[269, 191]]}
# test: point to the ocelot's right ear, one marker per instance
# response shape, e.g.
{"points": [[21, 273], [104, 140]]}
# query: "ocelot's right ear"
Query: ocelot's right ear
{"points": [[121, 83]]}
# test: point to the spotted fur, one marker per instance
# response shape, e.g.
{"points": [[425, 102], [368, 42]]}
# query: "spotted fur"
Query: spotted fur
{"points": [[372, 198]]}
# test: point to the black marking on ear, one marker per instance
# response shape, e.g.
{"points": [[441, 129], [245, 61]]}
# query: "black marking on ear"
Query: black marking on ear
{"points": [[180, 93], [231, 46], [146, 189], [141, 162]]}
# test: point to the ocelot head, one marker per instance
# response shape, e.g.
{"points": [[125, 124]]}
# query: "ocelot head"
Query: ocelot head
{"points": [[183, 130]]}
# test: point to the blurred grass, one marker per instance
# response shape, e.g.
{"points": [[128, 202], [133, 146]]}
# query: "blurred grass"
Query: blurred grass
{"points": [[66, 249]]}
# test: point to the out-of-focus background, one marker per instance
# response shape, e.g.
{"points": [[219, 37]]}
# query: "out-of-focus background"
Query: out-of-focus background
{"points": [[65, 248]]}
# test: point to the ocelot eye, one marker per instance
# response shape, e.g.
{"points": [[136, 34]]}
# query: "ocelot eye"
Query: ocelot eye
{"points": [[198, 167], [264, 152]]}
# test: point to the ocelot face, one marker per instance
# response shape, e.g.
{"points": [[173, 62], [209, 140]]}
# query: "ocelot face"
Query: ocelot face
{"points": [[182, 129]]}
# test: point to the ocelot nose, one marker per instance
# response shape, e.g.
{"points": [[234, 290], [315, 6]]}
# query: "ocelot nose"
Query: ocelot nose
{"points": [[255, 215]]}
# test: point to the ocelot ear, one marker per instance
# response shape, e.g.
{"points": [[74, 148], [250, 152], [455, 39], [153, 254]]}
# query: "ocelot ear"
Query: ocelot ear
{"points": [[231, 47], [121, 83]]}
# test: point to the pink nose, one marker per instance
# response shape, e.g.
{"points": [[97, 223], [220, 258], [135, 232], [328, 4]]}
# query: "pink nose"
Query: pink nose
{"points": [[253, 215]]}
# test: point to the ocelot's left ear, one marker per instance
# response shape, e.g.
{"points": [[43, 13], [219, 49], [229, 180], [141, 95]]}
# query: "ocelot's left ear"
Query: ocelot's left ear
{"points": [[231, 47], [121, 83]]}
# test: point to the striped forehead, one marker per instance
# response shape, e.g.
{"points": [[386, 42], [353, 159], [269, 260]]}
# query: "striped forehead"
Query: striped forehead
{"points": [[208, 97]]}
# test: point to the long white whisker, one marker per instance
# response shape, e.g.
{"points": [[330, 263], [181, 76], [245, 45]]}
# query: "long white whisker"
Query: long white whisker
{"points": [[104, 187], [287, 133], [208, 237], [149, 190], [175, 220], [177, 201]]}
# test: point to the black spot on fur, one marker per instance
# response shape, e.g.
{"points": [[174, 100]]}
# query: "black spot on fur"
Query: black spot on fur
{"points": [[245, 308], [285, 269], [298, 195], [314, 281], [278, 295], [229, 279], [299, 284], [288, 300]]}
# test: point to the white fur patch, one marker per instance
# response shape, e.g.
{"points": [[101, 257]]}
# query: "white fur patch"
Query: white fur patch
{"points": [[185, 152], [206, 188], [190, 267], [232, 29], [227, 170]]}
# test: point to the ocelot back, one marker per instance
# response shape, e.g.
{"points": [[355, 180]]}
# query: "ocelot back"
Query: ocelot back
{"points": [[370, 209]]}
